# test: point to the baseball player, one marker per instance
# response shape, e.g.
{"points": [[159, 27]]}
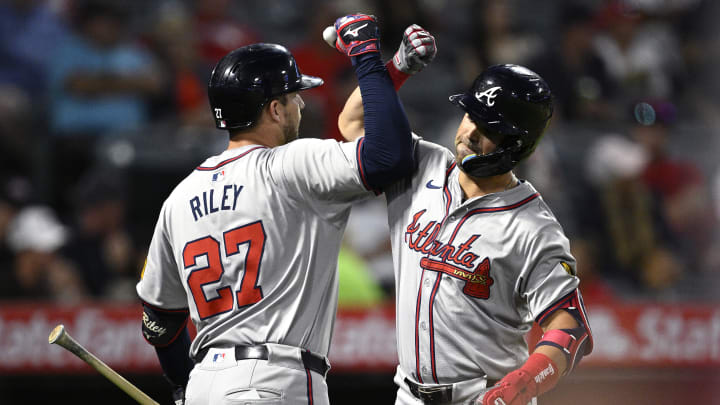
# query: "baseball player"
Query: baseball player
{"points": [[478, 254], [247, 244]]}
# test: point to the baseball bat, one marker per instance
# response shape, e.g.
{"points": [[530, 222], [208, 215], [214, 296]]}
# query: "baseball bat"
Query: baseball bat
{"points": [[60, 337]]}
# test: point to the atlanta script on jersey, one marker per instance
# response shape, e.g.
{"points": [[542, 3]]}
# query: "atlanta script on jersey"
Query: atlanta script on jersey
{"points": [[471, 276]]}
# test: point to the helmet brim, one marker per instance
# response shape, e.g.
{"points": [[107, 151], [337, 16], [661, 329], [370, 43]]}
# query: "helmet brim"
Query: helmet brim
{"points": [[308, 82], [483, 116]]}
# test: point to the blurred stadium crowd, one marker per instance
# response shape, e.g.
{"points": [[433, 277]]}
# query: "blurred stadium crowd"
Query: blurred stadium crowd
{"points": [[103, 109]]}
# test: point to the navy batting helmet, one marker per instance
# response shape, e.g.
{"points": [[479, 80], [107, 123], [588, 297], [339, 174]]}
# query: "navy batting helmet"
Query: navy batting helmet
{"points": [[512, 105], [246, 79]]}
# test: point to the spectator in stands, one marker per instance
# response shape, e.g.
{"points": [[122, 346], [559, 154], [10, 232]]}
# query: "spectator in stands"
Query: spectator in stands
{"points": [[638, 246], [679, 185], [219, 30], [320, 60], [643, 57], [101, 245], [35, 236], [575, 73], [100, 80], [174, 39], [18, 135], [491, 36], [14, 193], [29, 32]]}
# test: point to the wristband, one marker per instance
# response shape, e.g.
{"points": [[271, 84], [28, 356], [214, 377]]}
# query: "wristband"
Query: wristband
{"points": [[398, 77]]}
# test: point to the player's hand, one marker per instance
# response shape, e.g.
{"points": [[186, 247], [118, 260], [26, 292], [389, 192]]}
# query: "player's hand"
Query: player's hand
{"points": [[516, 388], [356, 34], [417, 49]]}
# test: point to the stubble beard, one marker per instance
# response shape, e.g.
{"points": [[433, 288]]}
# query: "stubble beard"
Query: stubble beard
{"points": [[291, 133]]}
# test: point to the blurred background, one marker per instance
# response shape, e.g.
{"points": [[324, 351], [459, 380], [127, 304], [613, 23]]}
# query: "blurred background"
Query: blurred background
{"points": [[103, 110]]}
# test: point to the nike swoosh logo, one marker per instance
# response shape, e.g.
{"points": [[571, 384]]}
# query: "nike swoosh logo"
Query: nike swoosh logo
{"points": [[355, 32], [430, 185]]}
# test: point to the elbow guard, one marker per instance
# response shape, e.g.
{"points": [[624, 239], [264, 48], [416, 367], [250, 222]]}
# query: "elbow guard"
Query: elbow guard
{"points": [[572, 342], [161, 327], [575, 343]]}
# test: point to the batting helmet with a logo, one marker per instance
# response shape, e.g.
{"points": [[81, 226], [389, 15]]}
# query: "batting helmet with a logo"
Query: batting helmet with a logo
{"points": [[512, 105], [244, 80]]}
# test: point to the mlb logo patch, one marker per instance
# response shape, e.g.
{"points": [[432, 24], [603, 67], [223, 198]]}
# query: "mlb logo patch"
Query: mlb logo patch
{"points": [[217, 176], [218, 357]]}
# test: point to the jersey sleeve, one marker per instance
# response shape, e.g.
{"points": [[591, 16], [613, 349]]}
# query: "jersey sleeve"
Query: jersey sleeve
{"points": [[428, 156], [550, 272], [325, 170], [160, 283]]}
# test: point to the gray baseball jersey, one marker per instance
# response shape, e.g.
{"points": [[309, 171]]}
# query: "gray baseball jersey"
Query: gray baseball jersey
{"points": [[249, 242], [471, 276]]}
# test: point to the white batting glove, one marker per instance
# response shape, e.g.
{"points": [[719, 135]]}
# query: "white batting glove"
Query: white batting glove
{"points": [[416, 51]]}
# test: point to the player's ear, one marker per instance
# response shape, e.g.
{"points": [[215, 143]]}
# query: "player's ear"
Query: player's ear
{"points": [[276, 111]]}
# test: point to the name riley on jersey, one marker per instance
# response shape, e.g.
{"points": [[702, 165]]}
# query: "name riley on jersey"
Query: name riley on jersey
{"points": [[210, 201], [456, 261]]}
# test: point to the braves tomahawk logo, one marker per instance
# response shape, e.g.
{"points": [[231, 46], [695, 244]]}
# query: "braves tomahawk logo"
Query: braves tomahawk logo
{"points": [[489, 94], [455, 261]]}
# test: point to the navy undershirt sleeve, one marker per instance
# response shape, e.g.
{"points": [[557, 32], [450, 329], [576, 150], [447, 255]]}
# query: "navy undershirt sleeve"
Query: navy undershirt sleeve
{"points": [[386, 154], [175, 359]]}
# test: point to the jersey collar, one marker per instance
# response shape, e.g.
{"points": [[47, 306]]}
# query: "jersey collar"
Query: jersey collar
{"points": [[505, 198], [228, 156]]}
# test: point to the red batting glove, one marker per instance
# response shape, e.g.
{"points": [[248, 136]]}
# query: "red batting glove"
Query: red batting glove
{"points": [[538, 375]]}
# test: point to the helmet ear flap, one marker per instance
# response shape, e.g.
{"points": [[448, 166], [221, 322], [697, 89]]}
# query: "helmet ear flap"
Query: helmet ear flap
{"points": [[492, 164]]}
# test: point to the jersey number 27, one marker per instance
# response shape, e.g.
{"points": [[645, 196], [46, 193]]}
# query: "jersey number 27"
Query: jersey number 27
{"points": [[249, 293]]}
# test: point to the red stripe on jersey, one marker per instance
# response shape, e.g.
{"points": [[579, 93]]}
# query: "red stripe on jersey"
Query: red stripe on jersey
{"points": [[448, 195], [432, 330], [450, 169], [417, 332], [309, 387], [226, 161], [563, 302], [490, 209]]}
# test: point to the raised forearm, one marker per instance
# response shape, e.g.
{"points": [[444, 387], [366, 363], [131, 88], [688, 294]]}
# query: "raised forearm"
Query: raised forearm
{"points": [[351, 118]]}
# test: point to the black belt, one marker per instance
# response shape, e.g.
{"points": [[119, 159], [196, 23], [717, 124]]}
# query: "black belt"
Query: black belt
{"points": [[431, 394], [435, 394], [260, 352]]}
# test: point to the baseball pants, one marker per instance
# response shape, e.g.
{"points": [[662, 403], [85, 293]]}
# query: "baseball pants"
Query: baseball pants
{"points": [[220, 379]]}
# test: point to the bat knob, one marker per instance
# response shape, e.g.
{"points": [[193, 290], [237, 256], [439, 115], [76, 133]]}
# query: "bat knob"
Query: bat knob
{"points": [[330, 36], [56, 334]]}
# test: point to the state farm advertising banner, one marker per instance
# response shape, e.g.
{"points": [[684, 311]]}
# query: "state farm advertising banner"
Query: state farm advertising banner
{"points": [[637, 335], [654, 335]]}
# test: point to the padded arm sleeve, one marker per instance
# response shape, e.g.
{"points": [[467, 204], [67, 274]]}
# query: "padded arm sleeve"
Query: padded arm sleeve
{"points": [[385, 154], [167, 331]]}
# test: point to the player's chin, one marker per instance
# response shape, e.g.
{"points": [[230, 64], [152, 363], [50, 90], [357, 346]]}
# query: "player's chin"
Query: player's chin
{"points": [[462, 151]]}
